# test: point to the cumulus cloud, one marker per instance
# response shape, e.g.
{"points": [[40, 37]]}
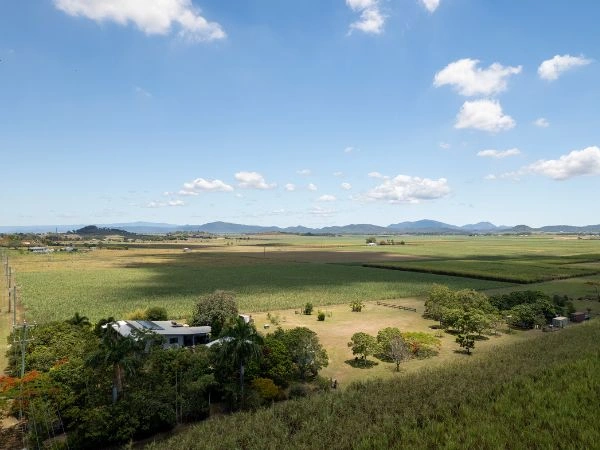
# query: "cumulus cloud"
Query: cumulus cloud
{"points": [[498, 154], [444, 145], [290, 187], [202, 185], [312, 187], [483, 115], [576, 163], [150, 16], [469, 80], [431, 5], [552, 68], [542, 123], [371, 18], [408, 189], [327, 198], [304, 172], [253, 180], [376, 175], [346, 186]]}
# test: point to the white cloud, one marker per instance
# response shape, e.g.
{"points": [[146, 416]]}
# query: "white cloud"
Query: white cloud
{"points": [[490, 177], [445, 145], [483, 115], [304, 172], [202, 185], [322, 212], [338, 174], [408, 189], [346, 186], [576, 163], [327, 198], [150, 16], [312, 187], [371, 18], [348, 149], [498, 154], [551, 69], [542, 123], [470, 80], [253, 180], [290, 187], [154, 204], [431, 5], [376, 175], [141, 92]]}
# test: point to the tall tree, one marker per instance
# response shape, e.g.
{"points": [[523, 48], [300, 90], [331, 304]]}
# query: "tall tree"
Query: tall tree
{"points": [[215, 310], [122, 353], [240, 344]]}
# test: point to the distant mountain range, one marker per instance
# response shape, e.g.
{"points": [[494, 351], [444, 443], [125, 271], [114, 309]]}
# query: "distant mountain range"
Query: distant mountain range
{"points": [[418, 227]]}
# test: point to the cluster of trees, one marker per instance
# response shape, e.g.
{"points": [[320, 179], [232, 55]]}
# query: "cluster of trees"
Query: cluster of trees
{"points": [[392, 345], [469, 313], [105, 389]]}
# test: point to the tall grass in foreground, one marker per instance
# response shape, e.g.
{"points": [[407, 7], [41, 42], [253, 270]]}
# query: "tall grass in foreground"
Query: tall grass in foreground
{"points": [[541, 393]]}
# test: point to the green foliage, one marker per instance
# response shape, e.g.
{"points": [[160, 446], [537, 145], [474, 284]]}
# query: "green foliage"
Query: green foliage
{"points": [[305, 350], [466, 341], [422, 345], [156, 313], [357, 305], [480, 405], [321, 316], [266, 388], [308, 309], [371, 240], [392, 346], [215, 310], [363, 344]]}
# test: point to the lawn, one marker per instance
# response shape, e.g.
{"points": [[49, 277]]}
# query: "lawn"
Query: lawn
{"points": [[341, 323]]}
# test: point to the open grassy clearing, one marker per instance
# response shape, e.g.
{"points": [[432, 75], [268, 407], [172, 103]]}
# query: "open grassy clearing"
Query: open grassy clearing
{"points": [[112, 282], [335, 332], [539, 393]]}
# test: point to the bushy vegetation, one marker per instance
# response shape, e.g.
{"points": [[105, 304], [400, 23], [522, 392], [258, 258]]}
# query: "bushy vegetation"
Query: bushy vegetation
{"points": [[105, 389], [215, 310], [547, 383]]}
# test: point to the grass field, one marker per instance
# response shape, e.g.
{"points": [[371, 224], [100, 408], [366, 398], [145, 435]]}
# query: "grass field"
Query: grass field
{"points": [[528, 270], [279, 272], [110, 283]]}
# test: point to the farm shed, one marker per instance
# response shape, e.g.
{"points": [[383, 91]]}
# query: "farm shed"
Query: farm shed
{"points": [[578, 316], [560, 322], [175, 334]]}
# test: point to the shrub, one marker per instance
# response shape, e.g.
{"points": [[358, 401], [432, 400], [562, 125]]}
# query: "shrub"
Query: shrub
{"points": [[156, 313], [321, 316], [357, 305], [308, 309]]}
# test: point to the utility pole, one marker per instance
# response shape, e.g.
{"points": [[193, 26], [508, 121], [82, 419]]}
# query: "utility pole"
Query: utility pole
{"points": [[21, 339]]}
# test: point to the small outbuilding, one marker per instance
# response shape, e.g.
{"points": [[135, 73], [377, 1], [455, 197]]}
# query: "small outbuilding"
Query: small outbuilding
{"points": [[560, 322], [578, 316]]}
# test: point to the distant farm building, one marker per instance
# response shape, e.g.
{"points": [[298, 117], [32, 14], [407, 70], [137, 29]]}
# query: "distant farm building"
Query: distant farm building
{"points": [[40, 249], [578, 316], [560, 322], [176, 334]]}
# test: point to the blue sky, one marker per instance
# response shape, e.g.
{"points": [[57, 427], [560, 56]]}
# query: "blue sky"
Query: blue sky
{"points": [[316, 112]]}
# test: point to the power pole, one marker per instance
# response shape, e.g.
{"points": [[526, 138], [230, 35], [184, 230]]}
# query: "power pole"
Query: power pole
{"points": [[21, 339]]}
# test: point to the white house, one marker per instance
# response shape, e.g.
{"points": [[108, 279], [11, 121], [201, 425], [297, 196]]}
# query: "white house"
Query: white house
{"points": [[176, 334]]}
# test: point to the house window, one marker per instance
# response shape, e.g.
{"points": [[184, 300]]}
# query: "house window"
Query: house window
{"points": [[173, 340]]}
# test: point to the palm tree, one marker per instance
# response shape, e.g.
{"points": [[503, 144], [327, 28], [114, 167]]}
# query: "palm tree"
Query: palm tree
{"points": [[78, 320], [240, 344], [122, 353]]}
